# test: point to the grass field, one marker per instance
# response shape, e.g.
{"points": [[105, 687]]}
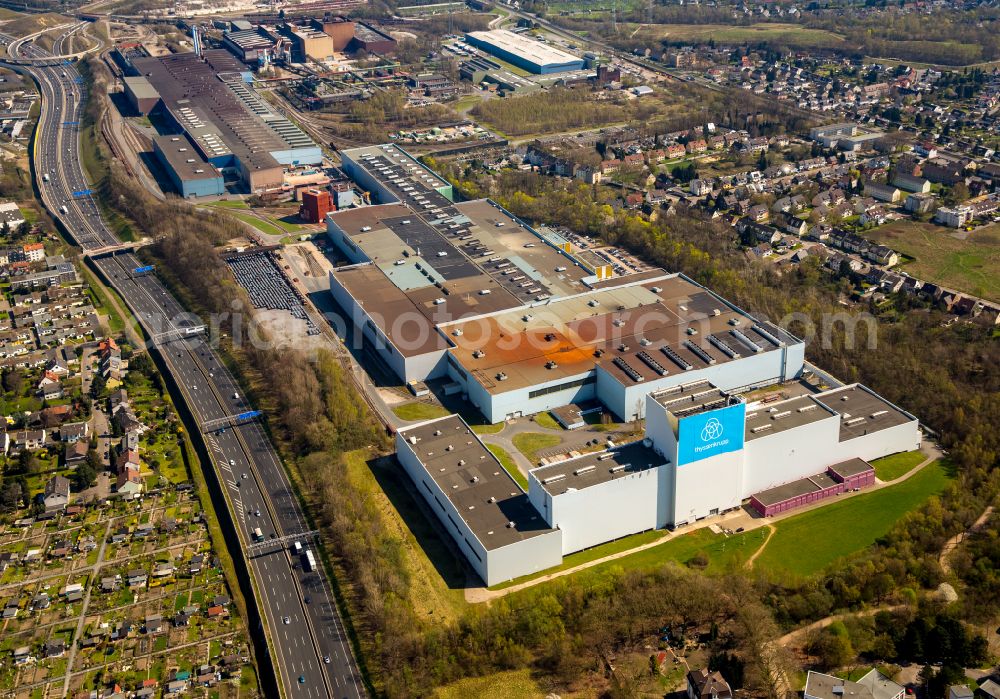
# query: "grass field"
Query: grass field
{"points": [[419, 411], [809, 542], [892, 467], [508, 464], [436, 578], [790, 34], [971, 265], [591, 554], [513, 684], [488, 429], [802, 545], [530, 443], [546, 420]]}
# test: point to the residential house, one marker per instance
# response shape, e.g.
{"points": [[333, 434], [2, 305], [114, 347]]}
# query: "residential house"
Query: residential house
{"points": [[959, 691], [72, 432], [911, 183], [882, 192], [57, 493], [874, 685], [919, 203], [76, 453], [702, 684]]}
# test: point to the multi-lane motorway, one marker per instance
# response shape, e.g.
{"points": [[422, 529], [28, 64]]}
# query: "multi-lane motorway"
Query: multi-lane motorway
{"points": [[306, 638]]}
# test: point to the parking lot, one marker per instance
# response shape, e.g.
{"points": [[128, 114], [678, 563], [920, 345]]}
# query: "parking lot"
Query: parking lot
{"points": [[266, 286]]}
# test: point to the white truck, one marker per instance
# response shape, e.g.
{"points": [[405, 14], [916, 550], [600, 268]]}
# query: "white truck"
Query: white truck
{"points": [[308, 562]]}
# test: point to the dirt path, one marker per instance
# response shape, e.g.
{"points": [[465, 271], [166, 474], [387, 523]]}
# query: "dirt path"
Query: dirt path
{"points": [[763, 545], [953, 542], [797, 634]]}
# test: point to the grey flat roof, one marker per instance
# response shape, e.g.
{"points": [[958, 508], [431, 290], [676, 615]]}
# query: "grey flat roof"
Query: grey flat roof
{"points": [[185, 159], [484, 494], [765, 419], [787, 491], [220, 116], [528, 49], [600, 467], [862, 411], [851, 467], [140, 87]]}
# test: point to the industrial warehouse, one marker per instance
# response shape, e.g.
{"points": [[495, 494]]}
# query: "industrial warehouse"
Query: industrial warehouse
{"points": [[705, 452], [518, 321], [223, 129], [524, 52]]}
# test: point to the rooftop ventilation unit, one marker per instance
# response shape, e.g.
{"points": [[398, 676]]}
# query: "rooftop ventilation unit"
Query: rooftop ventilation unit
{"points": [[627, 368], [761, 428], [807, 408], [652, 363], [618, 468], [676, 358], [501, 376], [478, 354], [584, 469], [551, 364], [553, 479], [726, 349], [784, 413], [655, 289], [701, 354]]}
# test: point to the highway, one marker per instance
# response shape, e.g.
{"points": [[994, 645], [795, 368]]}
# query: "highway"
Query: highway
{"points": [[306, 638]]}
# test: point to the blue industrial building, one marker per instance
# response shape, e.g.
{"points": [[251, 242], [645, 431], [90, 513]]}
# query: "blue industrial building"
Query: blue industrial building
{"points": [[190, 173]]}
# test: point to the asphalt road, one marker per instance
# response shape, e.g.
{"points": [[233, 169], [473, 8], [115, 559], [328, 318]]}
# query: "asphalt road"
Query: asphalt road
{"points": [[307, 641]]}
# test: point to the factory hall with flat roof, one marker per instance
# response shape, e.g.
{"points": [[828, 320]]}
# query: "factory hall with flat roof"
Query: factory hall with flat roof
{"points": [[518, 320], [221, 127]]}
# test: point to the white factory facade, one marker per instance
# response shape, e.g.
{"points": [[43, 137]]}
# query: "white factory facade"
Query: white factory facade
{"points": [[705, 452]]}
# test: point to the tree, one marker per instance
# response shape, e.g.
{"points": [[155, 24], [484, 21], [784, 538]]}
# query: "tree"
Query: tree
{"points": [[83, 477], [97, 386]]}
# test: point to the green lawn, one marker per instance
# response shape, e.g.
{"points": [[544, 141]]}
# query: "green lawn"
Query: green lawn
{"points": [[892, 467], [508, 464], [801, 545], [530, 443], [807, 543], [591, 554], [488, 429], [229, 204], [546, 420], [419, 411], [790, 34], [513, 684], [261, 225], [971, 265]]}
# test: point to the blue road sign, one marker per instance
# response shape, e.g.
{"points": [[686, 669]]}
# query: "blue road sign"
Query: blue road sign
{"points": [[143, 269], [82, 192], [249, 415], [70, 123]]}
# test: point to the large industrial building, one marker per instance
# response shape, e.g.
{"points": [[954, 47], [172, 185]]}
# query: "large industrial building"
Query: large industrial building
{"points": [[524, 52], [207, 99], [519, 321], [705, 452]]}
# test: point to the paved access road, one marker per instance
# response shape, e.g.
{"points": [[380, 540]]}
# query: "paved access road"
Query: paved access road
{"points": [[306, 638]]}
